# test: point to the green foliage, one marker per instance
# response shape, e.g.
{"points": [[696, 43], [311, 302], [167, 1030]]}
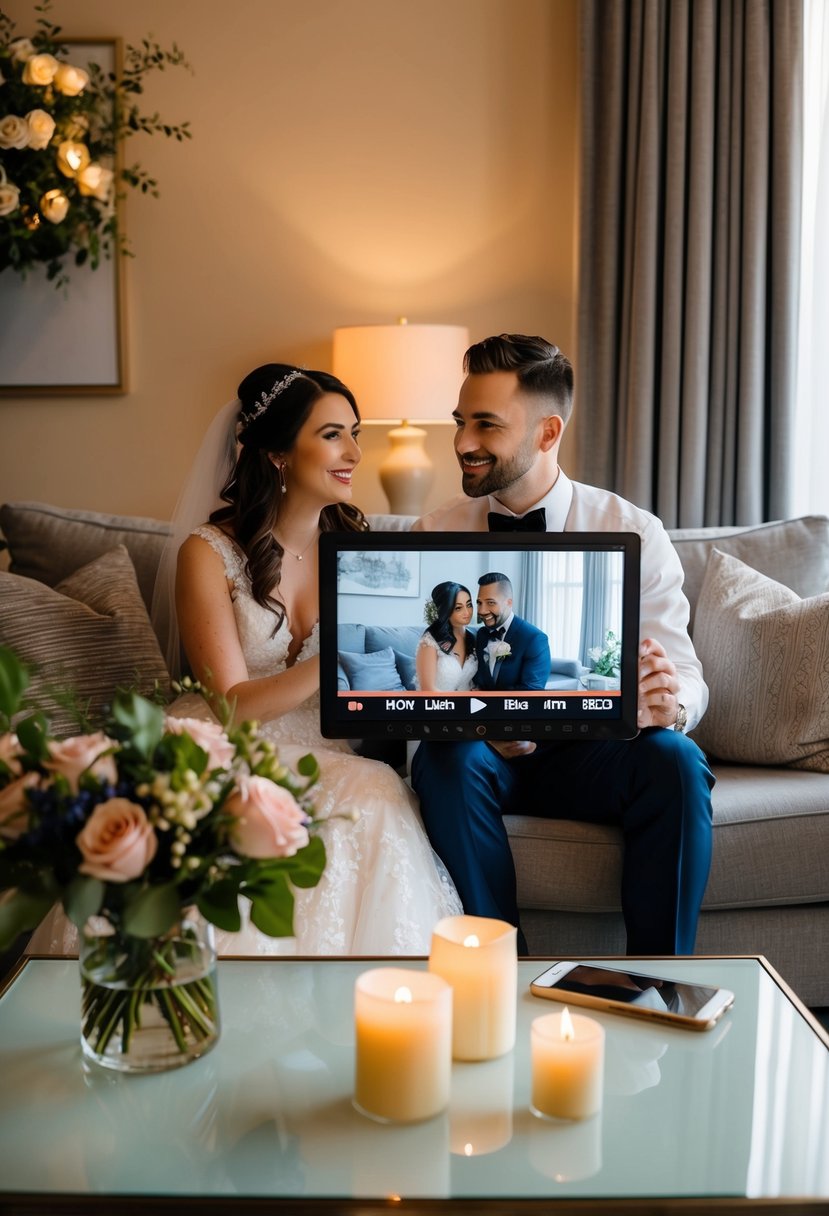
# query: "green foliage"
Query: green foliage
{"points": [[80, 223], [138, 821], [14, 680]]}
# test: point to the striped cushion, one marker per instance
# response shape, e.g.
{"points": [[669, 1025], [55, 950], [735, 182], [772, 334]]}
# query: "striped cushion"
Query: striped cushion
{"points": [[87, 636], [765, 655]]}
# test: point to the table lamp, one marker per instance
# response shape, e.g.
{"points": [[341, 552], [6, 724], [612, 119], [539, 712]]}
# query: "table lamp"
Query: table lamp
{"points": [[403, 374]]}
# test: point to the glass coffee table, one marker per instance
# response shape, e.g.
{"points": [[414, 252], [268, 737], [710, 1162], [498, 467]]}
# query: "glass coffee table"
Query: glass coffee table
{"points": [[733, 1116]]}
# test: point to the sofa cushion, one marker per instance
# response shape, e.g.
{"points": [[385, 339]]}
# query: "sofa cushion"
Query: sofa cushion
{"points": [[371, 672], [401, 637], [765, 655], [771, 848], [88, 636], [405, 665], [48, 543], [794, 552]]}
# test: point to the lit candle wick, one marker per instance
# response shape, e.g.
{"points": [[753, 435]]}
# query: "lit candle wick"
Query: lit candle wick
{"points": [[403, 996], [472, 940], [567, 1031]]}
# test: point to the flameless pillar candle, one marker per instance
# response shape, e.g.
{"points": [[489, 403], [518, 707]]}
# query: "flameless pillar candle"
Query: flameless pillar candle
{"points": [[479, 958], [403, 1024], [567, 1065]]}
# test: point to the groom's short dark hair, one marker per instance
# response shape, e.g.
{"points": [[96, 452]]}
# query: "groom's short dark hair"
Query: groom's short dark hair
{"points": [[495, 577], [542, 370]]}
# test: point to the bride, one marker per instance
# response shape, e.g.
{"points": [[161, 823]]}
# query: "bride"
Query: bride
{"points": [[247, 607], [241, 594], [445, 660]]}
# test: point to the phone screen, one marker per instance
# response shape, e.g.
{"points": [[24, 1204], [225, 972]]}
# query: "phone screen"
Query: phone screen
{"points": [[629, 988]]}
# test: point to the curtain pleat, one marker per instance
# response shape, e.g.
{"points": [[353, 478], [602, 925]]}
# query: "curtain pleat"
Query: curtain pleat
{"points": [[688, 254]]}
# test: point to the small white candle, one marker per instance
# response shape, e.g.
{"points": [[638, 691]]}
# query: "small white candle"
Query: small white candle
{"points": [[567, 1053], [479, 958], [403, 1058]]}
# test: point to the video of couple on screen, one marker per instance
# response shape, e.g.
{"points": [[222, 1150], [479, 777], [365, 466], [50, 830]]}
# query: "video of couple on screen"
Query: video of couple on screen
{"points": [[536, 632]]}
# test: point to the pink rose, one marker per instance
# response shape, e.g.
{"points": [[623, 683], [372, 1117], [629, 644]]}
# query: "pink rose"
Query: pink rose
{"points": [[13, 815], [209, 736], [10, 752], [80, 754], [269, 820], [118, 841]]}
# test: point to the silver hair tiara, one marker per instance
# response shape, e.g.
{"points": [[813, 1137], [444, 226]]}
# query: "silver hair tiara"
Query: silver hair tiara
{"points": [[266, 398]]}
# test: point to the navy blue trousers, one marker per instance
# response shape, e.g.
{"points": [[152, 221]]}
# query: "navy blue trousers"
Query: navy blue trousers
{"points": [[656, 788]]}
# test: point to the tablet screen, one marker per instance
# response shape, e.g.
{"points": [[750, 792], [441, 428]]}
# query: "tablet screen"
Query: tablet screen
{"points": [[543, 643]]}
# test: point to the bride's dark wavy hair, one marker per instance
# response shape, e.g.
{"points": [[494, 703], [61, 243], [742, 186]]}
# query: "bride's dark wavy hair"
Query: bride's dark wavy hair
{"points": [[253, 490], [444, 596]]}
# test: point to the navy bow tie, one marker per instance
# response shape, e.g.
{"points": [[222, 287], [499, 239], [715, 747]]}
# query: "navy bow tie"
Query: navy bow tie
{"points": [[533, 521], [498, 632]]}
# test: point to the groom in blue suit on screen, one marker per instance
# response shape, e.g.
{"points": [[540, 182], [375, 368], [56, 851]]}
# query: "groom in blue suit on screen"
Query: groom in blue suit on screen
{"points": [[512, 653]]}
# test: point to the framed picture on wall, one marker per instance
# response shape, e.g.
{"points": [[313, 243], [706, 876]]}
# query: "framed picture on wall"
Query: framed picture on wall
{"points": [[395, 573], [58, 341]]}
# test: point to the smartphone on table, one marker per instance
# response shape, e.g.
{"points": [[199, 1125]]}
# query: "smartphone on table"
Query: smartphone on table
{"points": [[614, 990]]}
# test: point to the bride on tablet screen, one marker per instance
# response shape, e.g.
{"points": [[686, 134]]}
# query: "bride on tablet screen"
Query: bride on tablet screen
{"points": [[445, 660]]}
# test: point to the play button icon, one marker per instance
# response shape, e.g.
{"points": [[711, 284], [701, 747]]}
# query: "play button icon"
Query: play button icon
{"points": [[475, 706]]}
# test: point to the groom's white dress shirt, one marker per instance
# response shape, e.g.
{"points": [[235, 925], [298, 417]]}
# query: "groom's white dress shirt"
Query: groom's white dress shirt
{"points": [[574, 507]]}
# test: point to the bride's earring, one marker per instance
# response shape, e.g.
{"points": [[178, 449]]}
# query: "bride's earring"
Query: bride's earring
{"points": [[280, 468]]}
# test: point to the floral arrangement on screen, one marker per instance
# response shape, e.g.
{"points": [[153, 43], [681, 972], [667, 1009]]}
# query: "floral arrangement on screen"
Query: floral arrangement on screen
{"points": [[607, 659], [147, 817], [61, 123]]}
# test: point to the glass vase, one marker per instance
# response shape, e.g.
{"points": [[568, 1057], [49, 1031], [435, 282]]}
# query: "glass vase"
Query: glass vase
{"points": [[148, 1004]]}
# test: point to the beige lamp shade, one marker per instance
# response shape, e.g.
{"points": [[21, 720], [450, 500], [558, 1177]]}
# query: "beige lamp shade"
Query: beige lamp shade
{"points": [[403, 373]]}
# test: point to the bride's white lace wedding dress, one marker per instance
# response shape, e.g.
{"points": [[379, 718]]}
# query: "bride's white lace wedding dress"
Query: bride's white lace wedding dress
{"points": [[450, 675], [383, 889]]}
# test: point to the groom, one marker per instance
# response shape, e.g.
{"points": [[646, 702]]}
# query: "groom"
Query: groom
{"points": [[512, 410], [512, 653]]}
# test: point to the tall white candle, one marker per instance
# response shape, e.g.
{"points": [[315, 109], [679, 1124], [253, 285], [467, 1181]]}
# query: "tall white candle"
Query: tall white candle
{"points": [[567, 1054], [403, 1034], [478, 956]]}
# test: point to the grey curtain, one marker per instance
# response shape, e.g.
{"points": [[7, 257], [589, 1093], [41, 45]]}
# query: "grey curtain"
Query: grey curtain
{"points": [[596, 605], [690, 230]]}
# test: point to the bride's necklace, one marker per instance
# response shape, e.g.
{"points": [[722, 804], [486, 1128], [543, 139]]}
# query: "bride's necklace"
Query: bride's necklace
{"points": [[290, 552]]}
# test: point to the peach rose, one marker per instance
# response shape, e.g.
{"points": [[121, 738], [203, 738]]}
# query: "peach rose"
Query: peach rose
{"points": [[209, 736], [9, 198], [40, 70], [117, 842], [14, 132], [96, 181], [72, 157], [21, 49], [70, 80], [13, 814], [81, 754], [54, 206], [269, 820], [41, 129]]}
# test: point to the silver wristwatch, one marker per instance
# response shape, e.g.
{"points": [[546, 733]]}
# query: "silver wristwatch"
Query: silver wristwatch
{"points": [[681, 718]]}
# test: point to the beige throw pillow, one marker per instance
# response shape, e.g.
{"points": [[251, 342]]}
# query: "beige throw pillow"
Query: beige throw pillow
{"points": [[90, 634], [765, 656]]}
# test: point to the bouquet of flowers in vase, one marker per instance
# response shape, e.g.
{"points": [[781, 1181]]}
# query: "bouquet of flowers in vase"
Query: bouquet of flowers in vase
{"points": [[138, 830], [607, 659], [62, 124]]}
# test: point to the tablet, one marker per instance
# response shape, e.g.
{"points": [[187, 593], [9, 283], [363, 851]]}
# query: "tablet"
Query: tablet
{"points": [[565, 669]]}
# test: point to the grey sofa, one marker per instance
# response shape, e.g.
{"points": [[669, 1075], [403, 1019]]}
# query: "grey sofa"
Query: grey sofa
{"points": [[769, 887], [377, 640]]}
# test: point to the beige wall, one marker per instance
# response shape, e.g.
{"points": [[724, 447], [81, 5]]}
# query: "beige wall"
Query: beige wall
{"points": [[352, 161]]}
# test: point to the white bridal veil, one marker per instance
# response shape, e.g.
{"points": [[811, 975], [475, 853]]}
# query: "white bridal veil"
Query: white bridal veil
{"points": [[199, 496]]}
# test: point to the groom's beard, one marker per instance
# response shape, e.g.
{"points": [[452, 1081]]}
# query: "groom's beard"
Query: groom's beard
{"points": [[502, 473]]}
